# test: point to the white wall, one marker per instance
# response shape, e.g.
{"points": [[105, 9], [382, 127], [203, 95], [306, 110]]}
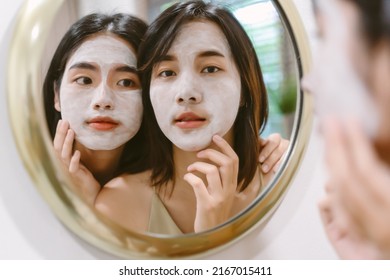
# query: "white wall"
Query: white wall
{"points": [[28, 229]]}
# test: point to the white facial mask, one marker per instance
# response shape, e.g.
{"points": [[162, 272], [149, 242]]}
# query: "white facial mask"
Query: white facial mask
{"points": [[102, 109], [196, 103], [338, 90]]}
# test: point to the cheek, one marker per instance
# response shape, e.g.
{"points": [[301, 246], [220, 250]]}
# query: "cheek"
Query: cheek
{"points": [[223, 101], [73, 100], [161, 100], [129, 105], [225, 91]]}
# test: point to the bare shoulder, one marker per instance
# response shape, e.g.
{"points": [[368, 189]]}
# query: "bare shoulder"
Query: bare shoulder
{"points": [[124, 181], [125, 196]]}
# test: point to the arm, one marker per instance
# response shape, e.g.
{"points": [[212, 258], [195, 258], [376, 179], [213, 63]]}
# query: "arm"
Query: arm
{"points": [[83, 179]]}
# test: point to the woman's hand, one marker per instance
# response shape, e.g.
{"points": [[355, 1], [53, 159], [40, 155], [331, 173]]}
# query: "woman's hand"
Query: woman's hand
{"points": [[82, 177], [341, 233], [358, 192], [214, 202], [272, 151]]}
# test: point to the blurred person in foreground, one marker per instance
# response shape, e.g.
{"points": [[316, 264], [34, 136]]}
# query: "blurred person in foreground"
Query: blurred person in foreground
{"points": [[350, 82]]}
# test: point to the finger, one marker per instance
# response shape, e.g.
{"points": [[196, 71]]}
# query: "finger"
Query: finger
{"points": [[360, 206], [327, 219], [273, 141], [228, 167], [344, 177], [360, 145], [263, 142], [325, 212], [59, 137], [212, 175], [224, 162], [200, 190], [67, 148], [366, 162], [214, 156], [74, 164], [224, 146], [363, 192], [272, 161], [337, 157], [277, 166], [229, 170]]}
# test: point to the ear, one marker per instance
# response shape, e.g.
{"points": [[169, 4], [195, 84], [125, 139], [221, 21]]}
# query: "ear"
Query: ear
{"points": [[57, 105]]}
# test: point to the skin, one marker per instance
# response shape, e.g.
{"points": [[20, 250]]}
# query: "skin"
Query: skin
{"points": [[206, 170], [106, 86], [201, 79], [356, 207], [198, 77], [340, 62], [100, 95], [100, 81], [117, 201]]}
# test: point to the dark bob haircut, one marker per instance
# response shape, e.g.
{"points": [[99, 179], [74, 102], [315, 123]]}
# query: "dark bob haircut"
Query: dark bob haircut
{"points": [[252, 115], [127, 27]]}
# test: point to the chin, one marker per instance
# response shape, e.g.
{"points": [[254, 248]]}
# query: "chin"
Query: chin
{"points": [[103, 144], [193, 147]]}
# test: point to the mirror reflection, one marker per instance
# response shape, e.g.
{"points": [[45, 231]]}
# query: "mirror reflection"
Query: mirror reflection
{"points": [[162, 135]]}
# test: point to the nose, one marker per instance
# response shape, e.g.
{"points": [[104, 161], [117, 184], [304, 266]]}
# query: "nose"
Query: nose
{"points": [[103, 99], [188, 90]]}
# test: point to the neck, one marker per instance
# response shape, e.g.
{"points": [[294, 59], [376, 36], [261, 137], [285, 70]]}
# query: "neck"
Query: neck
{"points": [[102, 164]]}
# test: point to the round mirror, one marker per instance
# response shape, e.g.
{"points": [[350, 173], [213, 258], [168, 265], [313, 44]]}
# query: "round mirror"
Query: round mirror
{"points": [[280, 42]]}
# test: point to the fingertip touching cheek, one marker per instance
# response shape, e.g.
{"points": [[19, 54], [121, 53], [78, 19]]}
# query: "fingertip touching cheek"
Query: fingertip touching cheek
{"points": [[100, 93], [195, 92]]}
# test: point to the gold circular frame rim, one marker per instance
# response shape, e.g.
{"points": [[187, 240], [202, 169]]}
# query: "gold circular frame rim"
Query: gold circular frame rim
{"points": [[34, 146]]}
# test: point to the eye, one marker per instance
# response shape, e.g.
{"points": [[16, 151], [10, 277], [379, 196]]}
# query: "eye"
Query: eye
{"points": [[126, 83], [83, 81], [210, 69], [167, 73]]}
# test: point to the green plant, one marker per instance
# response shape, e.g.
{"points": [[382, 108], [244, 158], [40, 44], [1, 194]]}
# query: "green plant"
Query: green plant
{"points": [[287, 97]]}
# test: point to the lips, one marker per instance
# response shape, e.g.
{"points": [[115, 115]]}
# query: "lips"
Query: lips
{"points": [[189, 120], [102, 123]]}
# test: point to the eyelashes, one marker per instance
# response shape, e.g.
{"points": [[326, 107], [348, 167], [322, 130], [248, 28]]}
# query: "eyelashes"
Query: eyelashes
{"points": [[205, 70], [83, 80]]}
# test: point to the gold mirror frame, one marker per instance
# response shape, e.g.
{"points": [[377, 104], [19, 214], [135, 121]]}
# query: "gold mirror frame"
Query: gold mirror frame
{"points": [[34, 144]]}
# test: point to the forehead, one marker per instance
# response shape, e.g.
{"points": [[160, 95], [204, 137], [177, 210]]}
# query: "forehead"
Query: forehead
{"points": [[101, 46], [200, 34]]}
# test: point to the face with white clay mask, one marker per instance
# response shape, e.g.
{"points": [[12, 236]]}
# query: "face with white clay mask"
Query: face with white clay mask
{"points": [[195, 90], [100, 93], [338, 78]]}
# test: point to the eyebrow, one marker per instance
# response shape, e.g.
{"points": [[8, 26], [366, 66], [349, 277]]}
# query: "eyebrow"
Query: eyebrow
{"points": [[210, 53], [126, 68], [83, 65], [89, 66], [201, 54]]}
